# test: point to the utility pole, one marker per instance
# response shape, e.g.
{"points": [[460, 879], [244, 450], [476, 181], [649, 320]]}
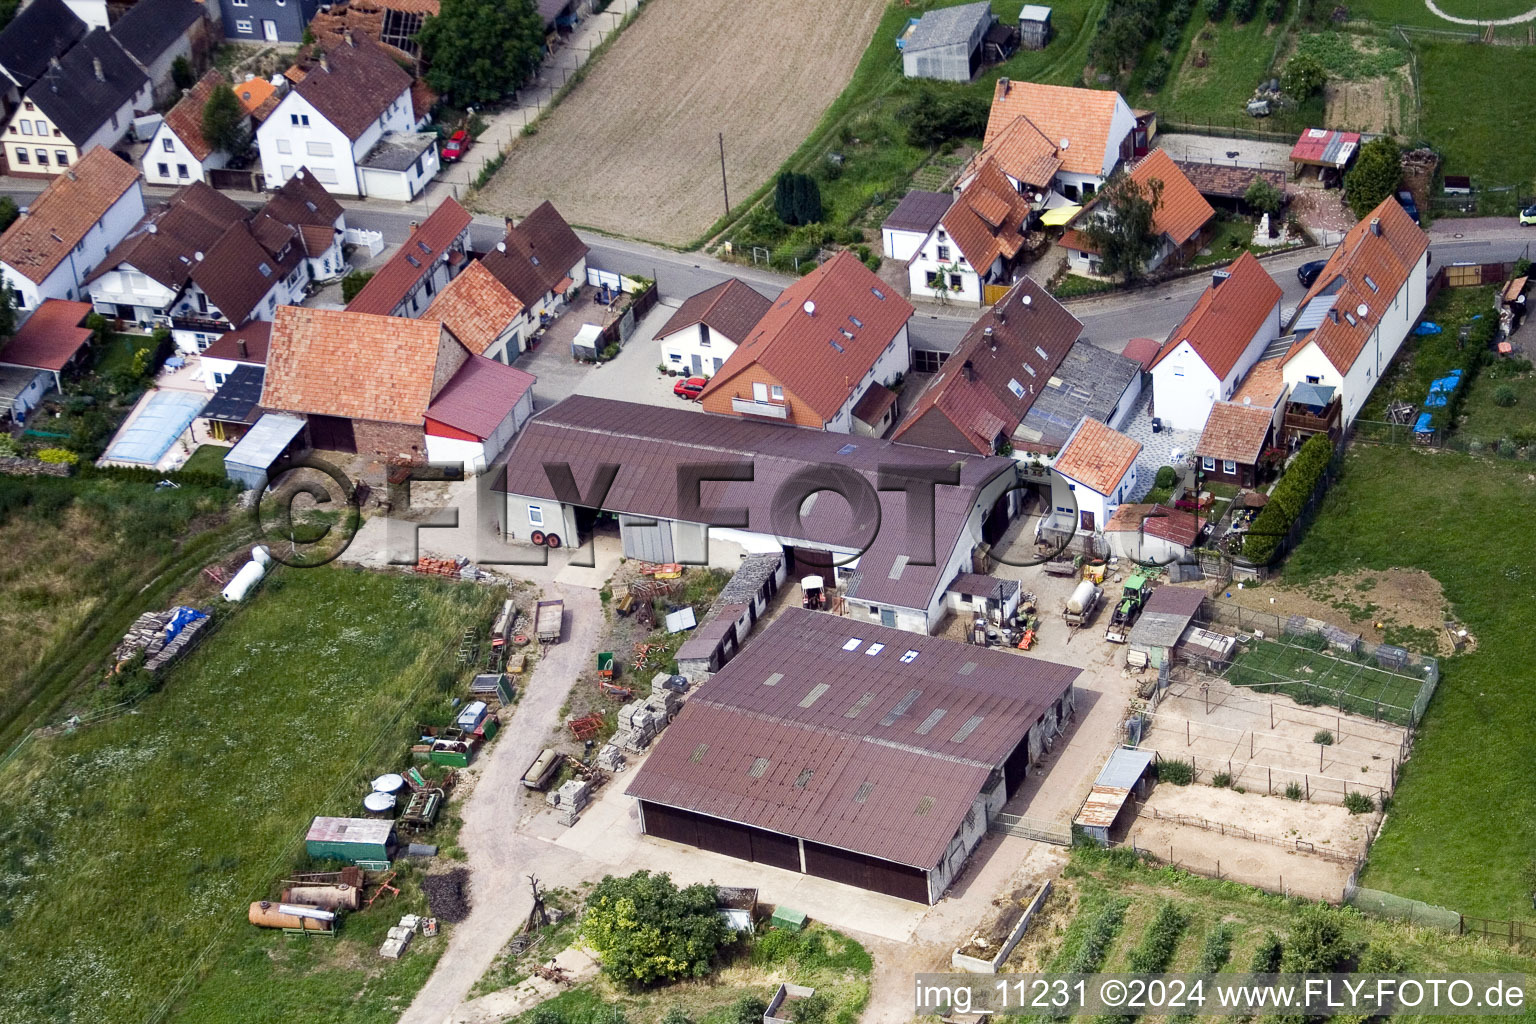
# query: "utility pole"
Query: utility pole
{"points": [[723, 186]]}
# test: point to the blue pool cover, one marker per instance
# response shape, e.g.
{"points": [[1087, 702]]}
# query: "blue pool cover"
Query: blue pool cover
{"points": [[164, 416]]}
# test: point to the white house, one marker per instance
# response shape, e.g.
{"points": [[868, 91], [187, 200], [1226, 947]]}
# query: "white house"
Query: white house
{"points": [[1052, 137], [481, 313], [707, 327], [399, 166], [477, 413], [340, 109], [915, 216], [49, 252], [1207, 355], [1355, 316], [92, 12], [1179, 221], [1095, 472], [85, 98], [244, 346], [177, 153], [975, 245], [155, 34], [304, 205]]}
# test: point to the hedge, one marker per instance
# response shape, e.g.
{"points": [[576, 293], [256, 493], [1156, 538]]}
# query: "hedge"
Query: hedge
{"points": [[1288, 499], [190, 478]]}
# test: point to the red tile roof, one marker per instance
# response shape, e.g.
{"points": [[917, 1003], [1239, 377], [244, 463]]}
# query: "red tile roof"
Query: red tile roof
{"points": [[476, 307], [253, 94], [1160, 521], [1236, 432], [1022, 152], [1263, 386], [58, 219], [821, 357], [185, 119], [357, 365], [256, 335], [1183, 210], [354, 86], [1143, 350], [987, 219], [478, 397], [537, 255], [414, 260], [1097, 456], [1387, 259], [850, 734], [1082, 117], [1227, 316], [50, 337], [973, 400], [730, 307]]}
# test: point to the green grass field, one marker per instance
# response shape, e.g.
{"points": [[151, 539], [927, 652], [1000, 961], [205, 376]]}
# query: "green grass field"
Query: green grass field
{"points": [[1485, 419], [1472, 98], [1237, 58], [1313, 677], [1463, 821], [207, 458], [1417, 13], [132, 848]]}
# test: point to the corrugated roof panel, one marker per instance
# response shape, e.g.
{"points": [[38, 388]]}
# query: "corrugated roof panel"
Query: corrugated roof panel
{"points": [[759, 766], [964, 732], [817, 692], [859, 706], [902, 707], [932, 720]]}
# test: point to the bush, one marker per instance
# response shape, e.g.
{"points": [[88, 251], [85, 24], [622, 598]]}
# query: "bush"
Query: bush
{"points": [[1267, 958], [1244, 10], [815, 1008], [1101, 932], [1504, 396], [1323, 738], [1167, 477], [1358, 803], [1293, 791], [938, 114], [1303, 77], [1288, 499], [353, 283], [1180, 773], [1158, 943], [1215, 9], [646, 929], [1274, 10], [1221, 780], [746, 1010], [8, 445], [1316, 944], [59, 456], [1157, 72], [1507, 449]]}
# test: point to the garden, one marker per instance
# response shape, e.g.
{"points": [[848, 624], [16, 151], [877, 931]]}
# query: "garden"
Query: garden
{"points": [[180, 813]]}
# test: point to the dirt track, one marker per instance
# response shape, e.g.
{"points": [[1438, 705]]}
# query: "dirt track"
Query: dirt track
{"points": [[633, 150]]}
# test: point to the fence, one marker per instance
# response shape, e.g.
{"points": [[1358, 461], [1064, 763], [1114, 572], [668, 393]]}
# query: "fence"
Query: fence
{"points": [[1313, 786], [1222, 828], [1234, 129], [1057, 832]]}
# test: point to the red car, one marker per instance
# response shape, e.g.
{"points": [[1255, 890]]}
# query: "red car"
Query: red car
{"points": [[689, 387], [456, 146]]}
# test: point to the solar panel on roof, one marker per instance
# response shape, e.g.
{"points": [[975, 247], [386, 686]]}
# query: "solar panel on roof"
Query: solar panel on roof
{"points": [[902, 707], [932, 720], [964, 732], [817, 692]]}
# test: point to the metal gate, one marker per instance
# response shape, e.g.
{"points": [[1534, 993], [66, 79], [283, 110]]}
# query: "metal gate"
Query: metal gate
{"points": [[649, 540], [1032, 828]]}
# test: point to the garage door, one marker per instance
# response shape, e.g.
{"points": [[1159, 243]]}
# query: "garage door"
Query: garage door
{"points": [[649, 540], [730, 838], [899, 880]]}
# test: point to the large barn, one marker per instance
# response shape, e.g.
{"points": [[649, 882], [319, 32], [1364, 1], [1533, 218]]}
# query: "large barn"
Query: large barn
{"points": [[853, 752]]}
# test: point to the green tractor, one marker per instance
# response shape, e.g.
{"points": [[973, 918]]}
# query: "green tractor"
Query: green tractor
{"points": [[1132, 597]]}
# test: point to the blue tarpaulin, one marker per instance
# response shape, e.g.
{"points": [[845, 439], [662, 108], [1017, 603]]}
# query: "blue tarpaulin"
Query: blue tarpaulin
{"points": [[181, 617], [1423, 426], [1427, 328]]}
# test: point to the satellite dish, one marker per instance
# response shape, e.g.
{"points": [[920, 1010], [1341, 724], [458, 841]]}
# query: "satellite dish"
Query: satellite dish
{"points": [[1362, 309], [1247, 400], [809, 307], [1028, 300], [1065, 143], [152, 228], [501, 246], [198, 256], [1210, 393], [1039, 198]]}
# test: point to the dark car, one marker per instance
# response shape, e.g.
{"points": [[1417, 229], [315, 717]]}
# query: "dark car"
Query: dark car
{"points": [[1409, 206], [455, 147], [1307, 272], [689, 387]]}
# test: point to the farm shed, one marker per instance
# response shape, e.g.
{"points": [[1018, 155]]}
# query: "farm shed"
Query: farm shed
{"points": [[1327, 150], [51, 339], [853, 752], [946, 44], [272, 436], [1163, 620], [1122, 781], [1034, 27], [351, 839]]}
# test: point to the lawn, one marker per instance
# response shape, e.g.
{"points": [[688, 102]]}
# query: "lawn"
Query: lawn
{"points": [[1485, 420], [1427, 357], [1094, 880], [1238, 57], [78, 551], [1416, 13], [1470, 106], [1313, 677], [116, 356], [1231, 238], [1463, 820], [178, 815], [208, 458]]}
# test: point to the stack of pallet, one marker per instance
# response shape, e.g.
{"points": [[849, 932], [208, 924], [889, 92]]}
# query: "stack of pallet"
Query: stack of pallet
{"points": [[642, 720], [147, 635]]}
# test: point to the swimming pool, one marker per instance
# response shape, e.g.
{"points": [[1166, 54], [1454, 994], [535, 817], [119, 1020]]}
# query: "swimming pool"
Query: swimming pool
{"points": [[161, 420]]}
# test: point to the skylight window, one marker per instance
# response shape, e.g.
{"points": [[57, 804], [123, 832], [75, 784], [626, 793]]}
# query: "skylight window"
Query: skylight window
{"points": [[312, 208], [535, 260], [412, 260], [423, 247], [1351, 318], [759, 768], [909, 657], [878, 294], [924, 805], [804, 778], [902, 707], [932, 720], [817, 692], [698, 753], [855, 320], [774, 679], [862, 794], [875, 649], [1043, 353], [1371, 284], [1029, 369], [965, 730], [1016, 388], [859, 706], [266, 271], [834, 344], [853, 644], [848, 449]]}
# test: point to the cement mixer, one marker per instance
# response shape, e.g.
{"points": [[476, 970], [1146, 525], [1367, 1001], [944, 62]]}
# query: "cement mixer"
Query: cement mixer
{"points": [[1081, 605], [265, 914]]}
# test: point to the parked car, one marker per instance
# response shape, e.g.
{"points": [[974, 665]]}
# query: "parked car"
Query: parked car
{"points": [[1528, 215], [456, 146], [1405, 198], [689, 387], [1307, 272]]}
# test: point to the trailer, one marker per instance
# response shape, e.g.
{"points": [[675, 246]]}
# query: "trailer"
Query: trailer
{"points": [[1132, 597], [548, 617], [1061, 565], [1081, 605], [543, 768]]}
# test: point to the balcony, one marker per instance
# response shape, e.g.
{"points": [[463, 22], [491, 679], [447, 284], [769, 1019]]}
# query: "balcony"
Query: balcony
{"points": [[197, 323], [772, 410]]}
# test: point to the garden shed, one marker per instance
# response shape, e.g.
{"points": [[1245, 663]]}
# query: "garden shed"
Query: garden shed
{"points": [[1034, 27], [947, 44], [268, 440], [354, 840], [1122, 781]]}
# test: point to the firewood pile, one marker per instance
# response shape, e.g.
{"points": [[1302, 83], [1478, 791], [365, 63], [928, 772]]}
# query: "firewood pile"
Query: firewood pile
{"points": [[448, 895]]}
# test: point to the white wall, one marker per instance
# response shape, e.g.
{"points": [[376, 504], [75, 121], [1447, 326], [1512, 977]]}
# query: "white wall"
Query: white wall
{"points": [[900, 245], [1064, 489], [471, 454], [32, 395], [113, 226], [162, 85], [177, 157], [1134, 544], [925, 261], [1184, 387], [214, 370], [338, 171], [560, 519], [126, 286], [896, 359], [401, 186], [679, 349]]}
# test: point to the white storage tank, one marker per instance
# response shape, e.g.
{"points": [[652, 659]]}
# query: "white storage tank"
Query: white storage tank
{"points": [[249, 575]]}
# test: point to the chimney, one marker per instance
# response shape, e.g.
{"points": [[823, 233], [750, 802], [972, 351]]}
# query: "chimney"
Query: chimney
{"points": [[347, 35], [96, 67], [1333, 315], [241, 343], [70, 174], [1376, 225], [1003, 85], [325, 62], [1218, 277], [510, 224], [987, 332], [414, 226], [1000, 315], [968, 370]]}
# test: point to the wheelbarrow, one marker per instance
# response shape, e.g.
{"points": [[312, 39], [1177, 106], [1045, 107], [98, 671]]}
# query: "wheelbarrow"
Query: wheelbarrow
{"points": [[605, 664]]}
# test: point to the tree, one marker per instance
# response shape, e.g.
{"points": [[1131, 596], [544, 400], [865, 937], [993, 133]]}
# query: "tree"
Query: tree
{"points": [[746, 1010], [181, 73], [1265, 198], [224, 126], [1316, 944], [7, 309], [797, 199], [646, 929], [479, 51], [1121, 226], [938, 114], [9, 211], [1303, 76], [1376, 174]]}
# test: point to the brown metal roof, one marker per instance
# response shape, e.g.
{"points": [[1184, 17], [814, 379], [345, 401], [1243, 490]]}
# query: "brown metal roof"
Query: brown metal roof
{"points": [[60, 216], [850, 734], [820, 356], [873, 405], [987, 387], [730, 307], [412, 261], [1102, 806], [536, 254], [479, 396], [919, 211], [651, 444]]}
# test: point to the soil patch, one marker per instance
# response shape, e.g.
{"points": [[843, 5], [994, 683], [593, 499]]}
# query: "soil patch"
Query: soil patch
{"points": [[1401, 606]]}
